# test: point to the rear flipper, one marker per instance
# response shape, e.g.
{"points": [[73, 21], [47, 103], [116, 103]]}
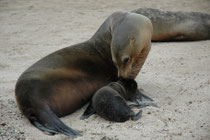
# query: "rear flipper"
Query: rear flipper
{"points": [[137, 116], [88, 112], [49, 123], [44, 129]]}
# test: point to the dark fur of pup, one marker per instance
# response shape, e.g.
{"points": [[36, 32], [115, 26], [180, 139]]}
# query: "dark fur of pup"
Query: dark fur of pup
{"points": [[109, 101]]}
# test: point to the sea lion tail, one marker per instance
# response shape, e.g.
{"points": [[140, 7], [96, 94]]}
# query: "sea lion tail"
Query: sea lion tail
{"points": [[49, 123]]}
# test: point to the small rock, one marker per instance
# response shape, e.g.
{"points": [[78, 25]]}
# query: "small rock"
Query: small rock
{"points": [[3, 124], [105, 138]]}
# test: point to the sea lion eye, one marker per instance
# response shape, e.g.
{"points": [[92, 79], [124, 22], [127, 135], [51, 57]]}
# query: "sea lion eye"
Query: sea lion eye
{"points": [[126, 60]]}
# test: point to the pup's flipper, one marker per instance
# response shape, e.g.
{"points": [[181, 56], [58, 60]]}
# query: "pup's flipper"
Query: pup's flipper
{"points": [[88, 112], [137, 116], [140, 97], [141, 104]]}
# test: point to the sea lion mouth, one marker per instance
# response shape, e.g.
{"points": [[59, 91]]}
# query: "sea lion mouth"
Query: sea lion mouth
{"points": [[122, 74]]}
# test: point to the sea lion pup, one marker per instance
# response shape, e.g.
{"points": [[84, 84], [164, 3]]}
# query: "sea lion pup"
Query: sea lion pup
{"points": [[109, 101], [64, 81], [177, 26]]}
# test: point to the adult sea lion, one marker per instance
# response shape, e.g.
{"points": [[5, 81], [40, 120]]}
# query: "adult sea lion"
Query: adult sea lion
{"points": [[110, 101], [177, 26], [65, 80]]}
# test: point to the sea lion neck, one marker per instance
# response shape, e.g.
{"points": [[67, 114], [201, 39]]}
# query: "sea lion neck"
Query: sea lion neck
{"points": [[102, 39]]}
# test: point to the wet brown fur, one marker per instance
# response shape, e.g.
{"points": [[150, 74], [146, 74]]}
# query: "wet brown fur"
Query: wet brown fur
{"points": [[69, 87]]}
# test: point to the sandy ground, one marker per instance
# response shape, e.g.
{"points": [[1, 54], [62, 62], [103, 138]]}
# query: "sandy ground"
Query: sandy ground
{"points": [[176, 75]]}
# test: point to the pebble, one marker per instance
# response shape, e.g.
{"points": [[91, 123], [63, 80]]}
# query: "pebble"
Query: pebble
{"points": [[10, 133]]}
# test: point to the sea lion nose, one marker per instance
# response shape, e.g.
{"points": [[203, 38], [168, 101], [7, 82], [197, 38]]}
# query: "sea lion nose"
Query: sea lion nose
{"points": [[122, 74]]}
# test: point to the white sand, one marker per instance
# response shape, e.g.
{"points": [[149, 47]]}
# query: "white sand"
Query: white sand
{"points": [[176, 75]]}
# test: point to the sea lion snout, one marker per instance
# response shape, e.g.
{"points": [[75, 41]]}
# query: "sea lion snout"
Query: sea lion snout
{"points": [[124, 72]]}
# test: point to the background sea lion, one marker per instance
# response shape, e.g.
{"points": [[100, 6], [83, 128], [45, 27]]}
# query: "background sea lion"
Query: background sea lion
{"points": [[177, 26], [65, 80]]}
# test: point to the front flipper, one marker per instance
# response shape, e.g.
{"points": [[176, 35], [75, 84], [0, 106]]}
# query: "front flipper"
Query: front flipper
{"points": [[141, 104], [88, 112], [142, 100], [140, 97]]}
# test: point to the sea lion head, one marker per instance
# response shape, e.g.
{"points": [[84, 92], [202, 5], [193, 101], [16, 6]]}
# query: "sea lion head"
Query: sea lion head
{"points": [[130, 34]]}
